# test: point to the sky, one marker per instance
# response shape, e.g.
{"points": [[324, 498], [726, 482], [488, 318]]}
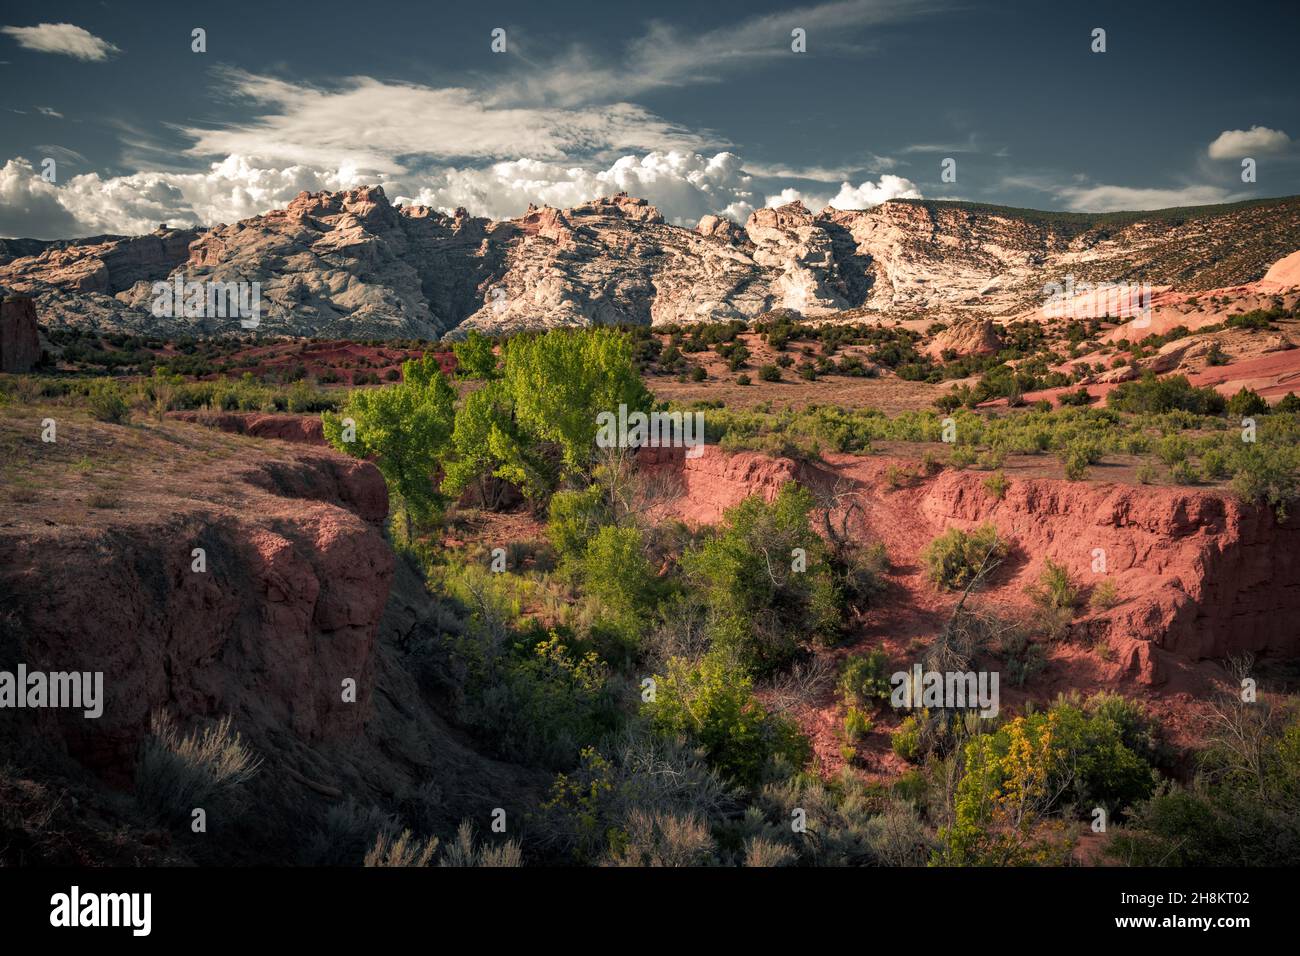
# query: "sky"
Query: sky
{"points": [[112, 122]]}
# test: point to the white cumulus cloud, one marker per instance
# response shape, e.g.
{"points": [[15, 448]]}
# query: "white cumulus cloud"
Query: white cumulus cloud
{"points": [[88, 204], [863, 196], [683, 185], [65, 38], [1239, 143]]}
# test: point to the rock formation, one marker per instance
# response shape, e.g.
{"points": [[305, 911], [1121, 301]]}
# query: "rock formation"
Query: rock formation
{"points": [[20, 341], [349, 264], [966, 337]]}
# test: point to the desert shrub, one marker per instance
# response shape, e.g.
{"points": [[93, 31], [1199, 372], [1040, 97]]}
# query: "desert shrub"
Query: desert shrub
{"points": [[177, 773], [465, 850], [574, 518], [763, 852], [401, 850], [996, 484], [345, 832], [1172, 449], [956, 556], [1265, 473], [616, 571], [963, 456], [1023, 658], [107, 402], [1214, 462], [659, 839], [1002, 801], [898, 837], [760, 607], [1153, 395], [1078, 397], [1225, 817], [532, 697], [714, 706], [742, 379], [864, 681], [1077, 754], [1255, 319], [843, 808], [857, 724], [1104, 596], [1110, 746], [586, 817], [769, 373], [918, 736], [1289, 404], [1184, 473], [1055, 597], [698, 374], [1247, 402], [1146, 473]]}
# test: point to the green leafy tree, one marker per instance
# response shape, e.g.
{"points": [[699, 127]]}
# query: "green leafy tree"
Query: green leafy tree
{"points": [[474, 356], [405, 428], [561, 381], [487, 443]]}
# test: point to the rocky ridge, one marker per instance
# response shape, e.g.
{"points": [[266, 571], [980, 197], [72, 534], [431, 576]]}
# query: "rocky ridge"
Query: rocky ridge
{"points": [[350, 264]]}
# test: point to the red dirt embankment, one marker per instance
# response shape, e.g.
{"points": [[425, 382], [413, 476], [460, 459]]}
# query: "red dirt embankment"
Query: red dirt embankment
{"points": [[292, 428], [1200, 576], [288, 606]]}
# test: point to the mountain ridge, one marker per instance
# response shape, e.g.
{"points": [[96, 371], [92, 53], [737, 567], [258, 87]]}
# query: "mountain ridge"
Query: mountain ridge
{"points": [[351, 264]]}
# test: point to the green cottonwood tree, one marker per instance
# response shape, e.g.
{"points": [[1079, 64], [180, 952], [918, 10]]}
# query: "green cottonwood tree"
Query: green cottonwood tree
{"points": [[474, 356], [559, 382], [405, 428]]}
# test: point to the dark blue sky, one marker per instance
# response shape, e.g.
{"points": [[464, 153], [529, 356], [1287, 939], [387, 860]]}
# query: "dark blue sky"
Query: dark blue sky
{"points": [[292, 96]]}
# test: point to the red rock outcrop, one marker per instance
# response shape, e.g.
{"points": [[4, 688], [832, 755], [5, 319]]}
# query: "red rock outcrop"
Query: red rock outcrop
{"points": [[291, 428], [287, 608], [966, 337], [1200, 575], [20, 339], [708, 485]]}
